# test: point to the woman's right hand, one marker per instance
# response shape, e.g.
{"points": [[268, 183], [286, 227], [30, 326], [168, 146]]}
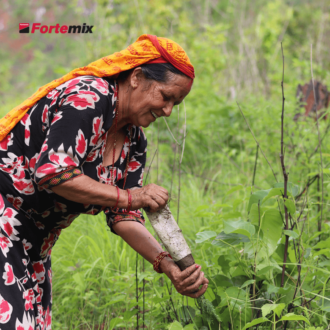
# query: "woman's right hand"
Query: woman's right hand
{"points": [[189, 282], [150, 196]]}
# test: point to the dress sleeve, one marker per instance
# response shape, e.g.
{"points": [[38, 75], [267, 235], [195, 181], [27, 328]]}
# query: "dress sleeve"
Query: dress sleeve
{"points": [[134, 179], [76, 128]]}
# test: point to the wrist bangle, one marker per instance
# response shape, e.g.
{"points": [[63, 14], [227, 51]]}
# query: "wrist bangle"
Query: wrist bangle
{"points": [[118, 194], [129, 201], [158, 260]]}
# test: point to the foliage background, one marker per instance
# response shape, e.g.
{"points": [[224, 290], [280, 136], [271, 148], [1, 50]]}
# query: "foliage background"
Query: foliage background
{"points": [[235, 47]]}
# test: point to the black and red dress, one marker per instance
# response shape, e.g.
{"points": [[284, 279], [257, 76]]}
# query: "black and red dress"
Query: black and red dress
{"points": [[61, 137]]}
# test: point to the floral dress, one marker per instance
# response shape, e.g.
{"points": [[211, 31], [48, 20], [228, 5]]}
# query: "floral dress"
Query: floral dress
{"points": [[61, 137]]}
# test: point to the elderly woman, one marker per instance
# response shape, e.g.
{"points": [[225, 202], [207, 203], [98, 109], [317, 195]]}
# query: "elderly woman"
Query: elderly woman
{"points": [[77, 146]]}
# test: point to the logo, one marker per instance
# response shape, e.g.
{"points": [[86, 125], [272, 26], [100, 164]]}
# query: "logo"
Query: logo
{"points": [[24, 27], [37, 27]]}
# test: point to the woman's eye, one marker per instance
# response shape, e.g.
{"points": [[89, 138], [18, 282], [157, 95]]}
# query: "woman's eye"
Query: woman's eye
{"points": [[165, 97]]}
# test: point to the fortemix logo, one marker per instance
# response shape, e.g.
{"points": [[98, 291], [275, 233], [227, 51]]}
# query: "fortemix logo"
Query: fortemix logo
{"points": [[38, 28]]}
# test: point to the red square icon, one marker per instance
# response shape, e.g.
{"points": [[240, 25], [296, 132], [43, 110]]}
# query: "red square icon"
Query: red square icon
{"points": [[24, 27]]}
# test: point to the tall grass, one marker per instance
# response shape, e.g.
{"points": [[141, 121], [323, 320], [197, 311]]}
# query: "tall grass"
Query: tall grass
{"points": [[94, 270]]}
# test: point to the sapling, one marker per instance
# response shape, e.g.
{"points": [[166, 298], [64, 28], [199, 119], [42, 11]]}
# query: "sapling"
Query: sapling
{"points": [[171, 236]]}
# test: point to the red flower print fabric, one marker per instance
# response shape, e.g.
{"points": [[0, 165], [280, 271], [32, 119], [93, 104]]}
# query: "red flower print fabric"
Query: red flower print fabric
{"points": [[63, 136]]}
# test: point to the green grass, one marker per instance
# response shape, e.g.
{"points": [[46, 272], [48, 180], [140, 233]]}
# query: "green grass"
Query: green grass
{"points": [[95, 273]]}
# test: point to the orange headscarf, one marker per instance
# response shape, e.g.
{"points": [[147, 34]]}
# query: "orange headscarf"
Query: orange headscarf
{"points": [[146, 49]]}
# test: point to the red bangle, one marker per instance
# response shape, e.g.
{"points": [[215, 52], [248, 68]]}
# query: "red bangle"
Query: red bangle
{"points": [[118, 193], [158, 260], [129, 201]]}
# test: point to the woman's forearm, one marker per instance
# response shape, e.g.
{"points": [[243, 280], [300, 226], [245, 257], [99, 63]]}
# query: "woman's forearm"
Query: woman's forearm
{"points": [[187, 282], [140, 239], [85, 190]]}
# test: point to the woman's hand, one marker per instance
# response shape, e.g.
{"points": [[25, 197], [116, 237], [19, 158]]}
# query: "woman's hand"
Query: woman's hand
{"points": [[186, 282], [150, 196], [138, 237]]}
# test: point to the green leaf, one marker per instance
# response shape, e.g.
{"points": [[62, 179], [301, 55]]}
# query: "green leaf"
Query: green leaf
{"points": [[202, 208], [114, 322], [271, 225], [313, 173], [175, 326], [286, 294], [189, 327], [157, 300], [264, 270], [204, 236], [234, 296], [187, 313], [290, 206], [278, 310], [324, 244], [231, 215], [246, 283], [226, 240], [224, 263], [272, 289], [268, 308], [257, 197], [293, 189], [129, 314], [222, 281], [80, 283], [237, 188], [221, 206], [255, 322], [318, 233], [274, 192], [294, 317], [239, 227], [291, 233]]}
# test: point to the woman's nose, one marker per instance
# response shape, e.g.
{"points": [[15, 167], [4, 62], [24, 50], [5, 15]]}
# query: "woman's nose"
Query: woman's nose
{"points": [[168, 109]]}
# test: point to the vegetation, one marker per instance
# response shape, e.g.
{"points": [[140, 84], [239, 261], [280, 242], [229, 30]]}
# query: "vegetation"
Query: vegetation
{"points": [[240, 223]]}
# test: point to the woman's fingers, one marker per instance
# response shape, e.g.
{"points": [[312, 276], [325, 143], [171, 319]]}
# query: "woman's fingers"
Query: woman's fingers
{"points": [[198, 293], [156, 202], [189, 271], [193, 277], [152, 205], [195, 286], [152, 196], [189, 281]]}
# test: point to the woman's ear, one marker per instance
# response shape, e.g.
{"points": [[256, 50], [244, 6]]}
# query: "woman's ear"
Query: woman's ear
{"points": [[136, 77]]}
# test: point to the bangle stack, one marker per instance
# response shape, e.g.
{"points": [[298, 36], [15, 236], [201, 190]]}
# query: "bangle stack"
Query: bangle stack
{"points": [[129, 201], [129, 197], [158, 260], [118, 193]]}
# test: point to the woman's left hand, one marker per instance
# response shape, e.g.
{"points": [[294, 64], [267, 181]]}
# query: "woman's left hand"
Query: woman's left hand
{"points": [[186, 282]]}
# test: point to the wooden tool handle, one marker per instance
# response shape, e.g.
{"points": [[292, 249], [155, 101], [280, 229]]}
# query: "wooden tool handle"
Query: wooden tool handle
{"points": [[185, 262], [170, 234]]}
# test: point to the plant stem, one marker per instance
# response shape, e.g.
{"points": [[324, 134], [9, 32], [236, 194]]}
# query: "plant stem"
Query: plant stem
{"points": [[255, 165], [285, 176], [183, 144], [319, 226], [256, 141], [320, 141]]}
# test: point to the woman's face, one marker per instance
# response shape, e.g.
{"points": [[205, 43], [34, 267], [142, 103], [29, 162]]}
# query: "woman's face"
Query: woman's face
{"points": [[149, 100]]}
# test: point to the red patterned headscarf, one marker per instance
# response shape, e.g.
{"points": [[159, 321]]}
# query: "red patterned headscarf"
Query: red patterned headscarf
{"points": [[146, 49]]}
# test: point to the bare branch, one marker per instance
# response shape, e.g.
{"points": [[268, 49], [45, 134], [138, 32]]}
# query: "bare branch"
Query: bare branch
{"points": [[285, 176], [320, 142], [168, 127], [257, 141]]}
